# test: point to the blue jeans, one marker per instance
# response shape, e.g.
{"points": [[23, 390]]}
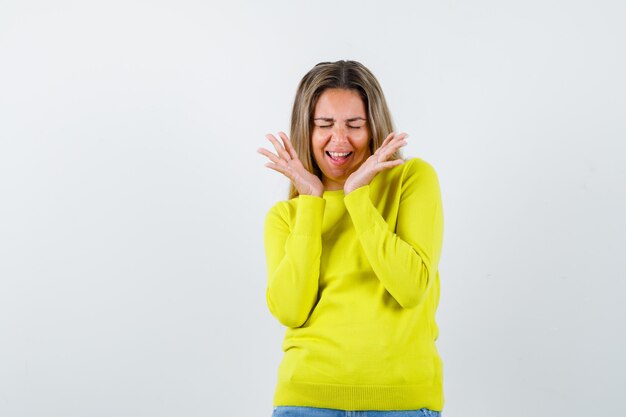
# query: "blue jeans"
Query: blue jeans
{"points": [[296, 411]]}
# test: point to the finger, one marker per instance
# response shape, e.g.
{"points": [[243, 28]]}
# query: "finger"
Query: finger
{"points": [[402, 135], [397, 145], [385, 142], [397, 142], [390, 149], [276, 168], [391, 164], [393, 137], [398, 137], [387, 139], [290, 149], [270, 155], [279, 149]]}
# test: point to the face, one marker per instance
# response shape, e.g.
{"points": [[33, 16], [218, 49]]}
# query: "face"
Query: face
{"points": [[340, 125]]}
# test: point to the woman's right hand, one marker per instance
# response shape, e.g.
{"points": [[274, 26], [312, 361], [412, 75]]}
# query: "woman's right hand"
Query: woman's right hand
{"points": [[288, 163]]}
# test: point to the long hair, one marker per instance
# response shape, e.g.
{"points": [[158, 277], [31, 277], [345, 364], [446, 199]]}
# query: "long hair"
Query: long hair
{"points": [[349, 75]]}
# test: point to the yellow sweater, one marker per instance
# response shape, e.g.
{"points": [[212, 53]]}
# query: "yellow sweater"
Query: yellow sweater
{"points": [[354, 279]]}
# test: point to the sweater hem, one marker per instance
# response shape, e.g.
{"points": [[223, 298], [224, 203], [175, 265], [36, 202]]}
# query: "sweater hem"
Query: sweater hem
{"points": [[359, 397]]}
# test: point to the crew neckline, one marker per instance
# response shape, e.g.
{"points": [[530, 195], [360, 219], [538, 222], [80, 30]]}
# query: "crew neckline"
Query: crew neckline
{"points": [[333, 193]]}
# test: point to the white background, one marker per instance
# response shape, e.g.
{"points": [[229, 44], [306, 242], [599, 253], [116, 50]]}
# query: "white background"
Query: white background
{"points": [[132, 199]]}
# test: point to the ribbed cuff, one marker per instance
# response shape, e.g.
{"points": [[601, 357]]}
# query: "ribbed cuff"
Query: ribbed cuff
{"points": [[309, 215], [362, 211]]}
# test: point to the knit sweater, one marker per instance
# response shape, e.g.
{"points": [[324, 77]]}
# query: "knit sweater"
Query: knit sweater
{"points": [[354, 278]]}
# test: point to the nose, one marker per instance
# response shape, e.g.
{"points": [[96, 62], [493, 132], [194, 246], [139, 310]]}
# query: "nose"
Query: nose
{"points": [[339, 134]]}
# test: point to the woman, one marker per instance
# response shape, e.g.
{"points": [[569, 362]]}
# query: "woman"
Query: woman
{"points": [[352, 256]]}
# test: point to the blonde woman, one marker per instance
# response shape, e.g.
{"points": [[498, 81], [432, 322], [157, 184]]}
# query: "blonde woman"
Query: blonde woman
{"points": [[352, 256]]}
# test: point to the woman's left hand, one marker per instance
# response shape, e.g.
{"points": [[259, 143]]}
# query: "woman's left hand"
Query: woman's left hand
{"points": [[376, 162]]}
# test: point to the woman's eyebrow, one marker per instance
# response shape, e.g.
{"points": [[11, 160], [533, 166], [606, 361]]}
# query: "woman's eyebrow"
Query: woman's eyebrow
{"points": [[330, 119]]}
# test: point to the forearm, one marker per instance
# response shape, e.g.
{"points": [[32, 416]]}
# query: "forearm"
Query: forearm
{"points": [[404, 262], [294, 263]]}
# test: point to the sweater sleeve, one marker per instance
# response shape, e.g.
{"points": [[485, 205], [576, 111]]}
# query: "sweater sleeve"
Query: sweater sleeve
{"points": [[293, 260], [405, 262]]}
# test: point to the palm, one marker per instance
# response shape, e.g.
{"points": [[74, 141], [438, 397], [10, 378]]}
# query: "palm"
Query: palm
{"points": [[288, 164], [376, 162]]}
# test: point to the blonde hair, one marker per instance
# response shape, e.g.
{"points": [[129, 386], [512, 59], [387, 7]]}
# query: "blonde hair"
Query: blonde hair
{"points": [[350, 75]]}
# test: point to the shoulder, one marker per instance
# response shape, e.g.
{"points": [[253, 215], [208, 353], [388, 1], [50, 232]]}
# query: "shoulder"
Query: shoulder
{"points": [[283, 212], [418, 167], [278, 212], [418, 173]]}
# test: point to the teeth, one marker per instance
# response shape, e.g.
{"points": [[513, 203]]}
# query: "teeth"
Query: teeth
{"points": [[335, 154]]}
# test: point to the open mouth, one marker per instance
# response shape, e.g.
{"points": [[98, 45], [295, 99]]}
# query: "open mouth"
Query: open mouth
{"points": [[339, 158]]}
